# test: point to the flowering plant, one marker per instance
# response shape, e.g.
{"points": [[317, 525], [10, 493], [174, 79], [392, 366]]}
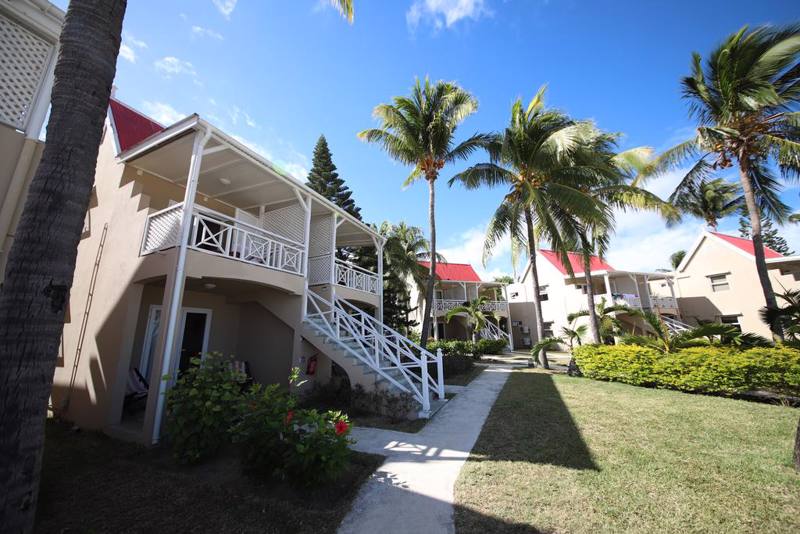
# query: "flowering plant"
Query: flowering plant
{"points": [[317, 446]]}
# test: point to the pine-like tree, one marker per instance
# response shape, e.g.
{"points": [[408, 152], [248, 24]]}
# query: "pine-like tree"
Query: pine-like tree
{"points": [[769, 234], [324, 179]]}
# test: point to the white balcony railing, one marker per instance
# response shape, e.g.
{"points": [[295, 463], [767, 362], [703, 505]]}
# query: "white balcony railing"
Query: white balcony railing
{"points": [[664, 303], [220, 235], [345, 274], [632, 301], [490, 306]]}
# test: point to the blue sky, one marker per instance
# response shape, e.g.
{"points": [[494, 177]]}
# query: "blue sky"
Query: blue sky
{"points": [[278, 74]]}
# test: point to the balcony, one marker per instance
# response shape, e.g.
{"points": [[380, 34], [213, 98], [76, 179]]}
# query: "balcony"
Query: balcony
{"points": [[218, 234], [632, 301], [664, 303], [342, 273], [441, 306]]}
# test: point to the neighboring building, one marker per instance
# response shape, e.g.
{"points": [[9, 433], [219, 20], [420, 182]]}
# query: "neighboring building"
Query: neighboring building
{"points": [[29, 31], [456, 285], [717, 281], [563, 294]]}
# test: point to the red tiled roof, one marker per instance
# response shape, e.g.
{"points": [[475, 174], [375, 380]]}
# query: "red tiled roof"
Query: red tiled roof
{"points": [[576, 260], [457, 272], [747, 245], [132, 127]]}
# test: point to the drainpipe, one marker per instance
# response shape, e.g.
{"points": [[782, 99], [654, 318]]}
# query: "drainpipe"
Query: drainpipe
{"points": [[200, 140]]}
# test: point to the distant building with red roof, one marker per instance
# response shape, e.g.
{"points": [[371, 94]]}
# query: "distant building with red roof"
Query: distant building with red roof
{"points": [[746, 245], [453, 272], [576, 262]]}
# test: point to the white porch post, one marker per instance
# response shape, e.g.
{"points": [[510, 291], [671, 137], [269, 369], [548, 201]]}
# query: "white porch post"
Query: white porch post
{"points": [[610, 298], [334, 228], [509, 327], [379, 243], [306, 203], [176, 298], [636, 285]]}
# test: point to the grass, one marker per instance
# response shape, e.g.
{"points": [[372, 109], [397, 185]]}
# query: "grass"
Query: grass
{"points": [[464, 378], [91, 483], [574, 455]]}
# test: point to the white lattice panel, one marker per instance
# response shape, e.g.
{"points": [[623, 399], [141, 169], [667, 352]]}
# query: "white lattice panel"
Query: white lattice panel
{"points": [[320, 237], [162, 229], [23, 62], [286, 222], [319, 270]]}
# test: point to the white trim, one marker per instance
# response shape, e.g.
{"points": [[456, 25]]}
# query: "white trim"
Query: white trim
{"points": [[149, 339]]}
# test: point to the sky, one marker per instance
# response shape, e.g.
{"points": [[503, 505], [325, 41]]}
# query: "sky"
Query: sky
{"points": [[277, 74]]}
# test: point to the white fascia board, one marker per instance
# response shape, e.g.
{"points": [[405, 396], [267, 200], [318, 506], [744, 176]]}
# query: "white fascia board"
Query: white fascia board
{"points": [[165, 136]]}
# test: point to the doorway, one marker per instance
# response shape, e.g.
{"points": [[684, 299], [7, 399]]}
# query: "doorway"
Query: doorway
{"points": [[194, 331]]}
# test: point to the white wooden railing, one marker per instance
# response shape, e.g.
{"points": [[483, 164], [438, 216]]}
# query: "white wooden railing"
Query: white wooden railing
{"points": [[445, 305], [345, 274], [664, 302], [632, 301], [492, 331], [378, 346], [215, 233], [675, 326]]}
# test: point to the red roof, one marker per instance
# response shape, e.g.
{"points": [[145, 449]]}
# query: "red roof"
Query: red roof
{"points": [[747, 245], [457, 272], [576, 260], [132, 127]]}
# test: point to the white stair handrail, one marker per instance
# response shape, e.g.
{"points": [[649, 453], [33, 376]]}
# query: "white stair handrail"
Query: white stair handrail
{"points": [[675, 326], [378, 346]]}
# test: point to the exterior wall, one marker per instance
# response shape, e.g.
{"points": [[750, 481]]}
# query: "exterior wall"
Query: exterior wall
{"points": [[265, 342], [744, 298]]}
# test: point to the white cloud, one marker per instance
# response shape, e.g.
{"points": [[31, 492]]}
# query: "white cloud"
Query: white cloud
{"points": [[162, 112], [467, 247], [296, 170], [255, 147], [445, 13], [199, 31], [170, 65], [127, 53], [129, 38], [225, 7]]}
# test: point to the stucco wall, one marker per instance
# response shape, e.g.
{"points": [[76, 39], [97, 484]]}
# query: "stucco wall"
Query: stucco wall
{"points": [[265, 342]]}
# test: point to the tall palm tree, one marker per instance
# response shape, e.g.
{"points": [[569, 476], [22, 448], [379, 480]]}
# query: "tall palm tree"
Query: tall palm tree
{"points": [[476, 317], [610, 325], [533, 159], [745, 101], [419, 130], [710, 200], [405, 247], [41, 262]]}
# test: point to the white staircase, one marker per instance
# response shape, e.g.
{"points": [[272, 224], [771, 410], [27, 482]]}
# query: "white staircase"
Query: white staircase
{"points": [[398, 362], [675, 326], [492, 331]]}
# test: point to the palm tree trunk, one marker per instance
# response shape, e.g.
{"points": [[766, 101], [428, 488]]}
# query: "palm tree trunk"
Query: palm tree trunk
{"points": [[426, 320], [594, 323], [41, 261], [537, 303], [758, 243], [797, 448]]}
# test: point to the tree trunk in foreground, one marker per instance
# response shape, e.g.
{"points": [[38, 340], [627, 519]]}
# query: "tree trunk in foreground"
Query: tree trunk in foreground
{"points": [[42, 259], [426, 319], [797, 447], [537, 303], [758, 244], [594, 322]]}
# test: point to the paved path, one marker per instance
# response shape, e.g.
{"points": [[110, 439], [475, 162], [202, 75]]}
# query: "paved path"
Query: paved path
{"points": [[412, 492]]}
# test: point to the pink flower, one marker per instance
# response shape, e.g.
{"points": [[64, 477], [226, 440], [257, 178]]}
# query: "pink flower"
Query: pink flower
{"points": [[341, 427]]}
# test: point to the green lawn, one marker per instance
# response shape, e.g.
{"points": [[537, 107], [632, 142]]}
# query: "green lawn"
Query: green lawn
{"points": [[91, 483], [575, 455]]}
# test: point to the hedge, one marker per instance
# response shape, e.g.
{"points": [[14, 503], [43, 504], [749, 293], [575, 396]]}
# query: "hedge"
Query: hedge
{"points": [[711, 369], [465, 348]]}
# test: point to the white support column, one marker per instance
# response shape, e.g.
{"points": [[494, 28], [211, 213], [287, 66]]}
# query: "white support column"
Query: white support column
{"points": [[379, 242], [636, 285], [306, 203], [176, 298], [509, 326], [609, 297], [334, 228]]}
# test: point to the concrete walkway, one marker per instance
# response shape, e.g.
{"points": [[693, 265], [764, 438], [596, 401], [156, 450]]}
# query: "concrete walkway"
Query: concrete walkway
{"points": [[413, 490]]}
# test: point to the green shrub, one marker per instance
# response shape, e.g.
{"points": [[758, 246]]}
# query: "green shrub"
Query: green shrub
{"points": [[459, 347], [492, 346], [455, 364], [201, 407], [707, 369]]}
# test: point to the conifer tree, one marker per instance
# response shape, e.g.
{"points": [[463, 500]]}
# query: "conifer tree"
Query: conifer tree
{"points": [[324, 179], [769, 234]]}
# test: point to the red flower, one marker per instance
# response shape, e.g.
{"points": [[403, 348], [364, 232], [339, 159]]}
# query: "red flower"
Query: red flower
{"points": [[288, 418], [341, 427]]}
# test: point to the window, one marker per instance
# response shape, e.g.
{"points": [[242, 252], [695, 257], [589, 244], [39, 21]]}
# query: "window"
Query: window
{"points": [[543, 293], [732, 320], [548, 329], [719, 282]]}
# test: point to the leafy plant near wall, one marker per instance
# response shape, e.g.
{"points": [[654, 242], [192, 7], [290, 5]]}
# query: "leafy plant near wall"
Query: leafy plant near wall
{"points": [[201, 406]]}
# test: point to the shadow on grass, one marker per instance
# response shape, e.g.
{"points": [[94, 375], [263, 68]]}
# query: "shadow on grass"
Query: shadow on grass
{"points": [[531, 423]]}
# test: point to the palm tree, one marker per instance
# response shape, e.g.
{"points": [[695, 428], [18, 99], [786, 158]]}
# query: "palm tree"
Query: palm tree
{"points": [[676, 258], [419, 130], [788, 315], [532, 157], [745, 102], [709, 200], [41, 262], [476, 317], [405, 247], [574, 335], [609, 324]]}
